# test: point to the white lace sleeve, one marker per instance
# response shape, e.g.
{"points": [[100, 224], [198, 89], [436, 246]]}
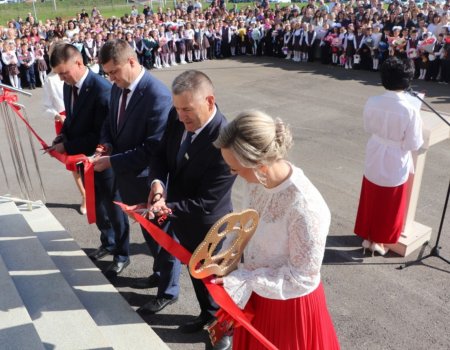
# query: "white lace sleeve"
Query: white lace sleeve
{"points": [[285, 263]]}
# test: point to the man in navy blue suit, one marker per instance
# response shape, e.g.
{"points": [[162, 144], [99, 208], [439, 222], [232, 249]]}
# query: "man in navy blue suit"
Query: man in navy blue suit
{"points": [[138, 114], [198, 190], [86, 100]]}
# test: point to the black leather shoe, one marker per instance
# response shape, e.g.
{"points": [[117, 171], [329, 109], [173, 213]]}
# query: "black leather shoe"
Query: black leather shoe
{"points": [[99, 253], [224, 343], [155, 305], [146, 282], [196, 325], [116, 268]]}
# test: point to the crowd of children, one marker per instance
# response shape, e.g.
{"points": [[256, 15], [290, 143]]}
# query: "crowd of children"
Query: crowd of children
{"points": [[352, 35]]}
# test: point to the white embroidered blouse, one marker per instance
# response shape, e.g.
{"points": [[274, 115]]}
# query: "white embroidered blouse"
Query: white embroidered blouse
{"points": [[284, 256], [396, 129]]}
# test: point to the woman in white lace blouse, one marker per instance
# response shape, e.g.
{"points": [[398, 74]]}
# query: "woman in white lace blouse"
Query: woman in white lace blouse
{"points": [[279, 280]]}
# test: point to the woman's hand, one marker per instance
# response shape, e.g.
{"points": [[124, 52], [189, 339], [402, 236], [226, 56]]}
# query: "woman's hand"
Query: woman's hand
{"points": [[217, 280]]}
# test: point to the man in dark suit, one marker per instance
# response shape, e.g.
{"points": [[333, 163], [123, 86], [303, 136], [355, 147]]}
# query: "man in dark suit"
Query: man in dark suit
{"points": [[132, 129], [86, 100], [198, 190]]}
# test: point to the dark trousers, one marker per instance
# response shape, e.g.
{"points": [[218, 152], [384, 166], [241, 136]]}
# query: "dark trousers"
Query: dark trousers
{"points": [[191, 241], [445, 70], [111, 220], [28, 76], [165, 265]]}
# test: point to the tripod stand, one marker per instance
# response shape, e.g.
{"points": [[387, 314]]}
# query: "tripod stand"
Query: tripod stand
{"points": [[435, 250]]}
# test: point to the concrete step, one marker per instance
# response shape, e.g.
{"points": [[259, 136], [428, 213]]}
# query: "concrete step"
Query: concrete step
{"points": [[118, 322], [59, 317], [16, 327]]}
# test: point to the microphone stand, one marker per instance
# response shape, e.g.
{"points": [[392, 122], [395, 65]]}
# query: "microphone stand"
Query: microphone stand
{"points": [[435, 250]]}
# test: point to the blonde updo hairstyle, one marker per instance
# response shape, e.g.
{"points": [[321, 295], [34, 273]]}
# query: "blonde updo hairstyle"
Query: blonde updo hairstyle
{"points": [[255, 139]]}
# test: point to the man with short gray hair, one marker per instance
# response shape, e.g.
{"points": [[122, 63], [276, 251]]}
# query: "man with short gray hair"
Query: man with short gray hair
{"points": [[198, 192]]}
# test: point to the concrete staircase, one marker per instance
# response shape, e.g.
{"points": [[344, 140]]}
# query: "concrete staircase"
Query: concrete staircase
{"points": [[53, 297]]}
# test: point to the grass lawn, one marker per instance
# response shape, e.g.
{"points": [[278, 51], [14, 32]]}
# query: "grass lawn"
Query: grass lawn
{"points": [[69, 8]]}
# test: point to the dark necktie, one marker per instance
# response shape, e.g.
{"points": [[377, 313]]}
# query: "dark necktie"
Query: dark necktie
{"points": [[123, 105], [75, 96], [184, 146]]}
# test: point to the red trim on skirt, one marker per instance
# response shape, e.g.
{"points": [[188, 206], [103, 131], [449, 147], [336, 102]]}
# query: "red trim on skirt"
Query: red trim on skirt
{"points": [[381, 212], [295, 324]]}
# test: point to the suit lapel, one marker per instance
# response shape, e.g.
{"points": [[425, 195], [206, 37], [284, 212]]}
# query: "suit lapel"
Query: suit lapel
{"points": [[138, 94], [68, 97], [115, 96], [83, 93], [67, 100], [199, 143]]}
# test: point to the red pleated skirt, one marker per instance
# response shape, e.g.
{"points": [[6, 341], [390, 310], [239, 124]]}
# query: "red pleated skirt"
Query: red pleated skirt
{"points": [[295, 324], [381, 212]]}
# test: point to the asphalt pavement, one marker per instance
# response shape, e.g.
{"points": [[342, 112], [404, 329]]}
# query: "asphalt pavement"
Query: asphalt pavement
{"points": [[374, 304]]}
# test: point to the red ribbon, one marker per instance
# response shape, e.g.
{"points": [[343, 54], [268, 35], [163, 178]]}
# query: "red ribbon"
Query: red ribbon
{"points": [[70, 161], [218, 293]]}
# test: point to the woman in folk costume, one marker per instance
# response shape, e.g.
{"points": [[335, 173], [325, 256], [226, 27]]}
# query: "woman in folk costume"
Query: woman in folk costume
{"points": [[396, 130], [279, 281]]}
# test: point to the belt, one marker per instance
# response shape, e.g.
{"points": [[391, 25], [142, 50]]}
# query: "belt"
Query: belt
{"points": [[387, 142]]}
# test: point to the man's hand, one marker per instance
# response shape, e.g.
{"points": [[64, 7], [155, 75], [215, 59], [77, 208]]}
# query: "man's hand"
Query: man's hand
{"points": [[101, 163], [60, 118], [58, 147], [156, 202]]}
